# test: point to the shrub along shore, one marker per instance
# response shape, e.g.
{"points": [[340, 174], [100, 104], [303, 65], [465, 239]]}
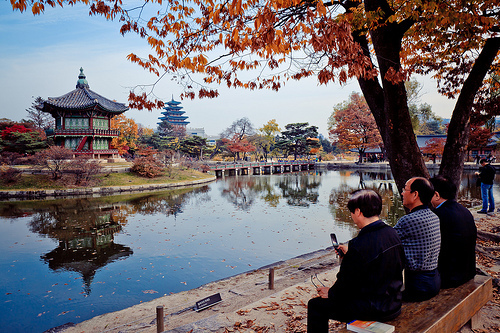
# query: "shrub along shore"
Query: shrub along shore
{"points": [[42, 186]]}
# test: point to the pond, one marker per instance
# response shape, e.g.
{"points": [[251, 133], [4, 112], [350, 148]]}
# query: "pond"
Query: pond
{"points": [[69, 260]]}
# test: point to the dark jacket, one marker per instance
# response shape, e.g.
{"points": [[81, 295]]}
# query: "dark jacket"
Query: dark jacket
{"points": [[370, 278], [457, 259], [487, 174]]}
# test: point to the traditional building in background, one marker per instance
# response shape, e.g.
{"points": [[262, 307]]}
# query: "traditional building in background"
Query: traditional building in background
{"points": [[82, 120], [174, 115], [200, 131]]}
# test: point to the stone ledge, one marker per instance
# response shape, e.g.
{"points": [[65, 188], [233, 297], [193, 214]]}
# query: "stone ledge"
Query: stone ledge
{"points": [[97, 191]]}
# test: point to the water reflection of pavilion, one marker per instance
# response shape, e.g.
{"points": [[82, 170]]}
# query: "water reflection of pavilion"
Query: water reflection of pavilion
{"points": [[86, 239]]}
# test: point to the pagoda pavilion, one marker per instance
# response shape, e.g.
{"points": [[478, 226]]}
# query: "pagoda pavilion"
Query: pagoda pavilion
{"points": [[173, 114], [83, 120]]}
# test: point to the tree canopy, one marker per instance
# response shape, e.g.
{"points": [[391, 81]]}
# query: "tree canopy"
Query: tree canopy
{"points": [[352, 126], [298, 139], [21, 140], [129, 133], [267, 137], [380, 43]]}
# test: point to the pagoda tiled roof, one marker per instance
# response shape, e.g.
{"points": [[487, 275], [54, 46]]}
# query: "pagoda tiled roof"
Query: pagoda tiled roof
{"points": [[83, 98], [173, 103]]}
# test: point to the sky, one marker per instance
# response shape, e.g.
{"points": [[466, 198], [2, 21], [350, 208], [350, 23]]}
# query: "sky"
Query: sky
{"points": [[42, 55]]}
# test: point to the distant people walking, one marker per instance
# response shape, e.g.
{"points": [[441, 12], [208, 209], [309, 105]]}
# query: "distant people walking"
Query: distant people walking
{"points": [[457, 258], [486, 176]]}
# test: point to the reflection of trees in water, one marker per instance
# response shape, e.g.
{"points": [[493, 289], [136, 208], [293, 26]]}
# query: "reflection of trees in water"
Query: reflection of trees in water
{"points": [[85, 228], [269, 192], [366, 178], [66, 218], [300, 189], [85, 232], [166, 203], [393, 208], [469, 194], [239, 191], [338, 204], [13, 210], [380, 182]]}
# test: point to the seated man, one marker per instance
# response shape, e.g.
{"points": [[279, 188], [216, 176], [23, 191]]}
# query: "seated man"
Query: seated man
{"points": [[370, 278], [457, 259], [421, 237]]}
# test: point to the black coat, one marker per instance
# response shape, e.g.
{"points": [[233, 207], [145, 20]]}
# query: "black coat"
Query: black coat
{"points": [[487, 174], [370, 278], [457, 258]]}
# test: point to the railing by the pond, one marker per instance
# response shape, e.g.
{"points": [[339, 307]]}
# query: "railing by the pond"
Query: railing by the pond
{"points": [[257, 168]]}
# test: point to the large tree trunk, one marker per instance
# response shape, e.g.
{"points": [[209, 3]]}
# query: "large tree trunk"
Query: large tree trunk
{"points": [[388, 102], [389, 105], [455, 150]]}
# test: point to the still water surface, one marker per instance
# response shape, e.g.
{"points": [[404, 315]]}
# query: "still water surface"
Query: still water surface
{"points": [[70, 260]]}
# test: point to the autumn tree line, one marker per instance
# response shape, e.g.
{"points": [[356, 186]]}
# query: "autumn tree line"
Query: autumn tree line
{"points": [[152, 151], [239, 141], [352, 127]]}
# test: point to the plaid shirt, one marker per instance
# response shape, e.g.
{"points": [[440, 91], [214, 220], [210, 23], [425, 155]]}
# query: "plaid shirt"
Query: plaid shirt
{"points": [[421, 237]]}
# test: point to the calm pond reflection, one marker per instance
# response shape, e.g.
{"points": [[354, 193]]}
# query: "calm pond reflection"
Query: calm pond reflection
{"points": [[69, 260]]}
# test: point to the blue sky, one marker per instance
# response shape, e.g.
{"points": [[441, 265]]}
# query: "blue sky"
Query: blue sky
{"points": [[41, 56]]}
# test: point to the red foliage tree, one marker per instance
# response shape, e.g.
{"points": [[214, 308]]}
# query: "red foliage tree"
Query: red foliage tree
{"points": [[434, 147], [479, 137], [14, 129], [236, 146], [352, 126]]}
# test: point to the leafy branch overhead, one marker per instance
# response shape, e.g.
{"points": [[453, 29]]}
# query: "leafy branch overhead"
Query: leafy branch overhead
{"points": [[262, 44], [293, 39]]}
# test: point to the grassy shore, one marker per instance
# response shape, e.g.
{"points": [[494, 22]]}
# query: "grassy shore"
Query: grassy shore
{"points": [[30, 182]]}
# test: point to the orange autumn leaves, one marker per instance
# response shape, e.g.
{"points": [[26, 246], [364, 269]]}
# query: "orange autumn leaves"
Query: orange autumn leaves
{"points": [[352, 125], [279, 40]]}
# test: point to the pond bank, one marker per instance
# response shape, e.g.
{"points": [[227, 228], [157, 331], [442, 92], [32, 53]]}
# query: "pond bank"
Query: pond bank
{"points": [[6, 195], [97, 191]]}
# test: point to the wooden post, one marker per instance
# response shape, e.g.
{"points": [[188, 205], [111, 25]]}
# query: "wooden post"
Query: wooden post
{"points": [[160, 326], [271, 278]]}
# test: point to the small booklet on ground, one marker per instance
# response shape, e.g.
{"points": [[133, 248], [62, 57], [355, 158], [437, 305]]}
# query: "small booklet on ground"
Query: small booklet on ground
{"points": [[361, 326]]}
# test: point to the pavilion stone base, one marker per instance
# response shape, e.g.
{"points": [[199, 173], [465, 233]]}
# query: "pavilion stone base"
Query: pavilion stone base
{"points": [[116, 160]]}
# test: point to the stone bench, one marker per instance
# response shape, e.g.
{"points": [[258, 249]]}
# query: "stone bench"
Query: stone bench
{"points": [[447, 312]]}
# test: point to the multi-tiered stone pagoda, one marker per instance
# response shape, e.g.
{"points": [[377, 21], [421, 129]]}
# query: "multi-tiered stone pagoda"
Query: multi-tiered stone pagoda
{"points": [[83, 120], [174, 115]]}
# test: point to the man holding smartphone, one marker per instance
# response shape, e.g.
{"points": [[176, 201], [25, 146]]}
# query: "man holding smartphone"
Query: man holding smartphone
{"points": [[370, 278]]}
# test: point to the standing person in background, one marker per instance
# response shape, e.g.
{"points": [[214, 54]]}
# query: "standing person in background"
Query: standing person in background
{"points": [[486, 175], [370, 279], [457, 259], [421, 237]]}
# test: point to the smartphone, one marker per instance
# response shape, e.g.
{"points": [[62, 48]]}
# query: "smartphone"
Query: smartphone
{"points": [[335, 243]]}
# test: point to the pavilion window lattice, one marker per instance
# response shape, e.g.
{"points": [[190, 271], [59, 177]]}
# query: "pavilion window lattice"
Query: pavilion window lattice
{"points": [[72, 143], [100, 123], [77, 123], [101, 144]]}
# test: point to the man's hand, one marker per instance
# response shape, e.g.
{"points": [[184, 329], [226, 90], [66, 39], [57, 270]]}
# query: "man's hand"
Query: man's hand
{"points": [[323, 292], [343, 248]]}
